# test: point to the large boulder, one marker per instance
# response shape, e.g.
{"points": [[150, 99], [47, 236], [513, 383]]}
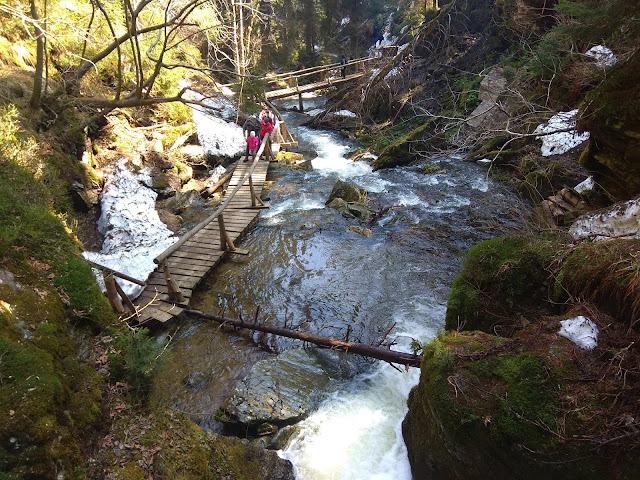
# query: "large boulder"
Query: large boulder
{"points": [[181, 201], [285, 389], [611, 113], [345, 191]]}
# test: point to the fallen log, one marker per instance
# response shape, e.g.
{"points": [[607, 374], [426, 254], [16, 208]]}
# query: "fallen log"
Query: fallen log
{"points": [[207, 192], [379, 353]]}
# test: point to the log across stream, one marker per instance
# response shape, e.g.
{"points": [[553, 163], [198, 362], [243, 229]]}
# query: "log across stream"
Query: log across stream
{"points": [[371, 351]]}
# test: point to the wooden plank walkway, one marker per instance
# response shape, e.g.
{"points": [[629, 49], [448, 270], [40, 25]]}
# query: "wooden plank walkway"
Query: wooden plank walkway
{"points": [[310, 87], [202, 252]]}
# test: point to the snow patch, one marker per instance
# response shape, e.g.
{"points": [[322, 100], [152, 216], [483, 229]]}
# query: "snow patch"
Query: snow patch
{"points": [[392, 73], [581, 331], [215, 175], [217, 136], [587, 184], [345, 113], [402, 47], [566, 137], [344, 21], [602, 55], [133, 232], [621, 220]]}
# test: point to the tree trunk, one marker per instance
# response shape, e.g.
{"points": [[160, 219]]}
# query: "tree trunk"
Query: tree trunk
{"points": [[380, 353], [36, 95]]}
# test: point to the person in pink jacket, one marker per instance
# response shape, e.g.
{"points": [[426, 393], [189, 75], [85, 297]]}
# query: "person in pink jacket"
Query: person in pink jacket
{"points": [[253, 143]]}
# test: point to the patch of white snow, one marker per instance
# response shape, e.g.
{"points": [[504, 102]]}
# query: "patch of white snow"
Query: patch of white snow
{"points": [[581, 331], [133, 233], [345, 113], [587, 184], [217, 136], [215, 175], [402, 47], [344, 21], [621, 220], [565, 137], [602, 55]]}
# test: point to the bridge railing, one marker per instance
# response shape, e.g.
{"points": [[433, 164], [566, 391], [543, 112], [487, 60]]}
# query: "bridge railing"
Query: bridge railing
{"points": [[307, 72], [226, 243]]}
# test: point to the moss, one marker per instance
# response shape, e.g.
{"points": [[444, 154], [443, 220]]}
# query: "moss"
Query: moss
{"points": [[502, 280], [605, 273], [494, 409], [402, 151], [429, 168], [75, 278]]}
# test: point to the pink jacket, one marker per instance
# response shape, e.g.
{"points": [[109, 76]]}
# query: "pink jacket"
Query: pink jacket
{"points": [[254, 143]]}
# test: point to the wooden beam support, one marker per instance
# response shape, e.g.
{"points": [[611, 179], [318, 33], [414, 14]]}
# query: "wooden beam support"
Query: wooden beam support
{"points": [[125, 299], [226, 243], [112, 294], [173, 290]]}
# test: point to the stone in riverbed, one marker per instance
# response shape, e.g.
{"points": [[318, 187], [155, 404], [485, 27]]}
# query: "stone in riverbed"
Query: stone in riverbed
{"points": [[345, 191], [285, 389]]}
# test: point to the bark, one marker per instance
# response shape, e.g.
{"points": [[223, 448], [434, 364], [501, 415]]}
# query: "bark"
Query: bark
{"points": [[380, 353], [37, 77]]}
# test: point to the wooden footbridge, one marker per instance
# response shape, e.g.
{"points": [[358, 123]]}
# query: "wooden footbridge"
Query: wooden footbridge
{"points": [[301, 81], [182, 266]]}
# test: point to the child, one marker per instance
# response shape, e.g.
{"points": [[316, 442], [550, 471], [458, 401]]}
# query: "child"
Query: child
{"points": [[253, 143]]}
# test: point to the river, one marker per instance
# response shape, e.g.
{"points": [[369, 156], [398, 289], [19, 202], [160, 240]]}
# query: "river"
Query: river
{"points": [[306, 268]]}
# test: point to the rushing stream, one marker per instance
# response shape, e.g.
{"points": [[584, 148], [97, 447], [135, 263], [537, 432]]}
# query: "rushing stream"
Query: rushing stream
{"points": [[305, 268]]}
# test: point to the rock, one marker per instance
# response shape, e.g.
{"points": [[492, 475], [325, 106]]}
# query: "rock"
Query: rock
{"points": [[357, 210], [181, 201], [267, 429], [361, 230], [282, 390], [488, 115], [484, 162], [156, 146], [336, 203], [345, 191], [193, 153], [281, 439], [289, 157], [271, 465], [83, 200]]}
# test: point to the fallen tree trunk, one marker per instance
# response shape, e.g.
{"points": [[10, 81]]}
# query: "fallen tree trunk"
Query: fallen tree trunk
{"points": [[226, 176], [380, 353]]}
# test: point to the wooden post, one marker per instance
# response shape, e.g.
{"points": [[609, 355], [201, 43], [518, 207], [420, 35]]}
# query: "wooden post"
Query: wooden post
{"points": [[112, 294], [173, 290], [300, 103], [226, 243], [253, 191], [129, 304]]}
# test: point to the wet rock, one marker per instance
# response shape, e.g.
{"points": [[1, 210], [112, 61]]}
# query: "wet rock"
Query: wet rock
{"points": [[361, 230], [197, 380], [271, 465], [281, 439], [181, 201], [337, 203], [358, 211], [83, 200], [488, 115], [345, 191], [284, 389], [267, 429], [620, 220]]}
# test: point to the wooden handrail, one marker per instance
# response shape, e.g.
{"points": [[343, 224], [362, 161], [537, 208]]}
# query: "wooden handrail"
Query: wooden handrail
{"points": [[164, 255], [317, 69], [115, 273]]}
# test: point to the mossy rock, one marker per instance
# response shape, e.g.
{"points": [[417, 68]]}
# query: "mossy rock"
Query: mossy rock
{"points": [[503, 280], [604, 273], [486, 407], [402, 151], [611, 114]]}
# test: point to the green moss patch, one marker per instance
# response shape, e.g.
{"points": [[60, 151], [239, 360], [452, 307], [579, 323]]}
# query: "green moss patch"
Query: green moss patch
{"points": [[530, 407], [503, 280], [606, 273]]}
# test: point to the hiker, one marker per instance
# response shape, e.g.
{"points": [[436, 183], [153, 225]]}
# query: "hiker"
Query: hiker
{"points": [[343, 62], [252, 124], [267, 127], [264, 114], [253, 143]]}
